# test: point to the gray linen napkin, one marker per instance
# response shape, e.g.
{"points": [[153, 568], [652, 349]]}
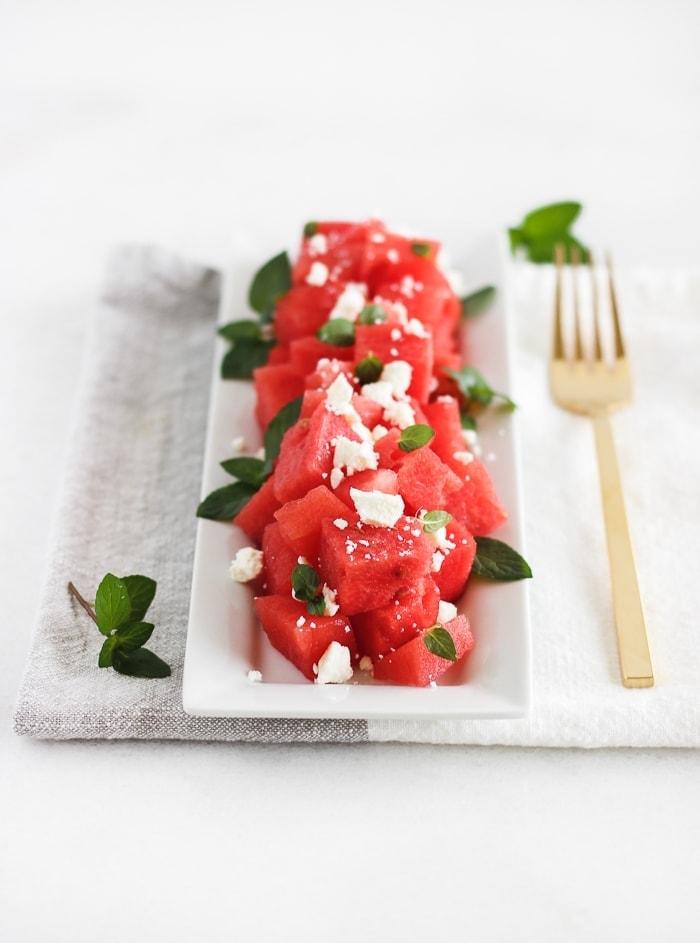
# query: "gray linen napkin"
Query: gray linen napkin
{"points": [[133, 481]]}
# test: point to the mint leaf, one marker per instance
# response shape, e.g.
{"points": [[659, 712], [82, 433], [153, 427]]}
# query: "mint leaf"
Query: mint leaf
{"points": [[369, 369], [420, 248], [105, 657], [244, 330], [433, 521], [310, 229], [112, 604], [372, 314], [439, 642], [141, 590], [270, 282], [543, 228], [477, 301], [413, 437], [275, 431], [141, 663], [132, 636], [245, 356], [476, 390], [305, 584], [338, 331], [496, 560], [224, 503], [246, 468]]}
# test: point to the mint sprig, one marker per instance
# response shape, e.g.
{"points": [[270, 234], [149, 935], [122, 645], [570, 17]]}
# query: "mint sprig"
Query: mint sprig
{"points": [[477, 302], [439, 642], [433, 521], [496, 560], [250, 348], [120, 605], [543, 228], [476, 391], [413, 437], [270, 282], [224, 503], [338, 331], [305, 585]]}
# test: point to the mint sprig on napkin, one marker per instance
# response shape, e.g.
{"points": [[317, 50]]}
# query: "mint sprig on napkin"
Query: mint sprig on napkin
{"points": [[543, 228], [120, 607]]}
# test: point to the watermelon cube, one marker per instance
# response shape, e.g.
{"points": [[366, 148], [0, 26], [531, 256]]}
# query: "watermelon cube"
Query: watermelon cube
{"points": [[254, 516], [389, 627], [300, 520], [414, 664], [299, 636]]}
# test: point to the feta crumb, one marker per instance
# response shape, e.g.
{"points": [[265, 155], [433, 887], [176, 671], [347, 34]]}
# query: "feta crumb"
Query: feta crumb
{"points": [[446, 611], [400, 414], [438, 560], [377, 508], [392, 255], [416, 328], [379, 432], [350, 302], [353, 456], [329, 598], [366, 663], [340, 523], [334, 665], [318, 274], [464, 457], [246, 565], [254, 677], [238, 444], [318, 244], [301, 621], [398, 375], [379, 392]]}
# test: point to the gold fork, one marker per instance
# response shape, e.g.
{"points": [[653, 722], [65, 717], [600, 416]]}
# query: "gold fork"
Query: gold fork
{"points": [[594, 386]]}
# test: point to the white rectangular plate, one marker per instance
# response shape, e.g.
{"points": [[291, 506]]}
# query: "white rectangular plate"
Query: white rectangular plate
{"points": [[224, 640]]}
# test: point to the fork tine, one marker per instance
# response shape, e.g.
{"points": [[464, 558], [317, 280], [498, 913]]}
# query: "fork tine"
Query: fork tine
{"points": [[619, 344], [558, 349], [575, 256], [597, 346]]}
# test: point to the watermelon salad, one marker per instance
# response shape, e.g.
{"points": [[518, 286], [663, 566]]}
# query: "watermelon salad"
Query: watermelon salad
{"points": [[368, 508]]}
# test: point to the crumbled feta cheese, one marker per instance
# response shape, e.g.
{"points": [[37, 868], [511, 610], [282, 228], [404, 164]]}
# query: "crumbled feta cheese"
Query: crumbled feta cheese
{"points": [[378, 432], [379, 392], [318, 274], [438, 560], [416, 327], [301, 621], [400, 414], [353, 456], [392, 255], [238, 444], [340, 523], [366, 663], [246, 565], [464, 457], [377, 508], [254, 677], [318, 244], [350, 302], [446, 611], [329, 597], [398, 375], [334, 665], [337, 475]]}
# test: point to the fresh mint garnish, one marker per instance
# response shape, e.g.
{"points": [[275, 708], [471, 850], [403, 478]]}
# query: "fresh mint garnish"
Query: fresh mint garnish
{"points": [[120, 605], [439, 642], [310, 229], [542, 229], [476, 391], [224, 503], [433, 521], [372, 314], [477, 302], [250, 348], [420, 248], [270, 282], [413, 437], [369, 369], [496, 560], [305, 585], [338, 331]]}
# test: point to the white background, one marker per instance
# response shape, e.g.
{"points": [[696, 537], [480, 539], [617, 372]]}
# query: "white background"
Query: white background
{"points": [[209, 126]]}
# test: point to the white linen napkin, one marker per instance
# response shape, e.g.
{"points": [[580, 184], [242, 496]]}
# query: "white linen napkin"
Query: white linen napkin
{"points": [[132, 484]]}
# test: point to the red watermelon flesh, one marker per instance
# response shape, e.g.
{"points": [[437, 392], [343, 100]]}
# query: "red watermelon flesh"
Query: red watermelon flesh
{"points": [[456, 559], [413, 664], [300, 520], [389, 627], [258, 512], [299, 636], [279, 561]]}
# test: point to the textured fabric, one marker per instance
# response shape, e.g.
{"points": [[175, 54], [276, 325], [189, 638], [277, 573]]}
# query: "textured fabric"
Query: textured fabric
{"points": [[133, 479]]}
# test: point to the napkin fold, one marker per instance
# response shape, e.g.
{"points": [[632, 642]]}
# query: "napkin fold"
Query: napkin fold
{"points": [[132, 483]]}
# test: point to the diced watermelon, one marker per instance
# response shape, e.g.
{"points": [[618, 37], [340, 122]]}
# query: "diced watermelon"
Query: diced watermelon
{"points": [[456, 558], [389, 627], [369, 566], [425, 482], [389, 342], [302, 311], [305, 353], [299, 636], [254, 517], [275, 386], [476, 504], [413, 664], [383, 479], [300, 520], [279, 561], [306, 453]]}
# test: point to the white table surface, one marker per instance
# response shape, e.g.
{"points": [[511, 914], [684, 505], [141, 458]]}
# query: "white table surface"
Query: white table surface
{"points": [[203, 126]]}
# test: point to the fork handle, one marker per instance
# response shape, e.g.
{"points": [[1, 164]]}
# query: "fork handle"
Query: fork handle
{"points": [[635, 660]]}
